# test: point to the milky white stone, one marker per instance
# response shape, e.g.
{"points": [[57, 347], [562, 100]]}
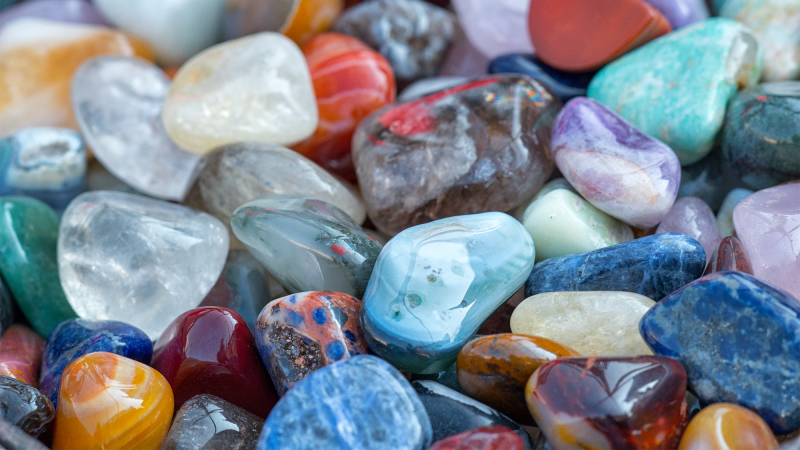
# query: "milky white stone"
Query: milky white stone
{"points": [[117, 102], [254, 89], [141, 261], [495, 27]]}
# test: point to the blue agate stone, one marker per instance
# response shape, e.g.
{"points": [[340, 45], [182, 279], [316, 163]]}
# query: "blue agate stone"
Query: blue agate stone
{"points": [[565, 85], [738, 339], [653, 266], [356, 404], [74, 338], [48, 164], [434, 285]]}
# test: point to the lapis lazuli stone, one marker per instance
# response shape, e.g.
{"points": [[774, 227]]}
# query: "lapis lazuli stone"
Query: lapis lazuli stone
{"points": [[653, 266], [738, 339], [565, 85], [434, 285], [357, 404], [74, 338]]}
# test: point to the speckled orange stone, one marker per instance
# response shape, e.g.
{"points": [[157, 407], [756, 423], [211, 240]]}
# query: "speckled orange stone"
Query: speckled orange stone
{"points": [[724, 426]]}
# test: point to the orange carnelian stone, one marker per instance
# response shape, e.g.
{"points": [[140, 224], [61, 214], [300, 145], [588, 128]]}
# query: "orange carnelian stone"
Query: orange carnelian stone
{"points": [[311, 17], [350, 80], [724, 426], [107, 401]]}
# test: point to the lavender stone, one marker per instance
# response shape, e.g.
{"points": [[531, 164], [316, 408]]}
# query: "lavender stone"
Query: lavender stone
{"points": [[694, 218]]}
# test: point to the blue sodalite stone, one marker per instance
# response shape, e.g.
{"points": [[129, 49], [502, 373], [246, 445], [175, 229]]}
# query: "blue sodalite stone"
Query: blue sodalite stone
{"points": [[739, 340], [74, 338], [434, 285], [565, 85], [653, 266], [357, 404], [48, 164]]}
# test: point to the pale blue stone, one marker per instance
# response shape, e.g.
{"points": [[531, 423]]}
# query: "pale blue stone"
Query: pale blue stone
{"points": [[434, 284], [676, 88]]}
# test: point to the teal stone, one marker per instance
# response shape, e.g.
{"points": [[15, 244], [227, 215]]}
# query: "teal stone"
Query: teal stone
{"points": [[675, 88], [307, 244], [435, 284], [28, 239]]}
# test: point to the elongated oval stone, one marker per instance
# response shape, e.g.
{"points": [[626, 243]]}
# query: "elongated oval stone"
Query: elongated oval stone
{"points": [[653, 266], [614, 166], [477, 147], [25, 407], [693, 217], [167, 261], [724, 426], [729, 255], [434, 285], [676, 88], [21, 354], [710, 327], [207, 422], [362, 403], [307, 244]]}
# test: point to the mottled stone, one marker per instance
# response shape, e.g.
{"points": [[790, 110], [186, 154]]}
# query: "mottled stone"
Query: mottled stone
{"points": [[729, 329], [358, 404], [653, 266], [481, 146], [566, 85], [729, 255], [676, 88], [495, 28], [725, 214], [724, 426], [207, 422], [693, 217], [21, 354]]}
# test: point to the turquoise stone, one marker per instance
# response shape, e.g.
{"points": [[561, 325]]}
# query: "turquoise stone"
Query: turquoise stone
{"points": [[434, 284], [675, 88], [307, 244]]}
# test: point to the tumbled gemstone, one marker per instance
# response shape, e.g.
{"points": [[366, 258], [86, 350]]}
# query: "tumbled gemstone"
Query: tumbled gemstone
{"points": [[724, 426], [207, 422], [693, 217], [729, 255], [566, 85], [495, 28], [25, 407], [492, 437], [680, 13], [725, 214], [21, 354]]}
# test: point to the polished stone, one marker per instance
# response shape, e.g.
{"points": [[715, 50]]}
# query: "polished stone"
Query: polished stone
{"points": [[168, 261], [428, 86], [681, 13], [21, 352], [72, 11], [725, 214], [492, 437], [653, 266], [25, 407], [495, 28], [693, 217], [12, 438], [724, 426], [297, 19], [566, 85], [207, 422], [729, 255], [434, 285]]}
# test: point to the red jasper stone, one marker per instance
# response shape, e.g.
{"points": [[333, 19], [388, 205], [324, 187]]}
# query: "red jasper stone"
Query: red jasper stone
{"points": [[494, 437], [581, 35], [350, 80], [211, 350], [610, 403], [729, 255]]}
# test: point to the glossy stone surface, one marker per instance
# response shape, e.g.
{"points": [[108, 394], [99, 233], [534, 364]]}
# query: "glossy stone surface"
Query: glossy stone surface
{"points": [[301, 333], [12, 438], [495, 28], [724, 426], [39, 58], [427, 86], [610, 403], [48, 164], [28, 238], [693, 217], [760, 138], [210, 350], [243, 287], [369, 405], [709, 327], [24, 406], [566, 85], [207, 422], [492, 437], [680, 13], [453, 153], [175, 30], [767, 225], [21, 354], [729, 255], [350, 81], [411, 34], [599, 323], [307, 244], [653, 266], [74, 338], [297, 19], [168, 261], [434, 285], [109, 401], [576, 36], [494, 369], [73, 11], [725, 214], [682, 104], [614, 166], [252, 89], [117, 102]]}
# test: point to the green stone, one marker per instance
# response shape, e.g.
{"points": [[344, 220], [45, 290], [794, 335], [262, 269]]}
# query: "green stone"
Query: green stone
{"points": [[28, 239]]}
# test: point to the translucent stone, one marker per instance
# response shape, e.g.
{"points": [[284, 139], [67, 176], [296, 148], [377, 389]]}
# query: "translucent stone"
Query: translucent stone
{"points": [[427, 86], [693, 217]]}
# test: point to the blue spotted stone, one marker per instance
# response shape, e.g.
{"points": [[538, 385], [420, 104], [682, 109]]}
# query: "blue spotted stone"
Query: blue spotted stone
{"points": [[653, 266], [739, 340], [357, 404], [565, 85], [74, 338]]}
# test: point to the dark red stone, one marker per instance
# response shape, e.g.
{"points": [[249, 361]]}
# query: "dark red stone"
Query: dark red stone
{"points": [[494, 437], [211, 350], [729, 255]]}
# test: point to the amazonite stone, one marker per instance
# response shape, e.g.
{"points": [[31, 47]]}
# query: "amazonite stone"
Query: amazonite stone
{"points": [[434, 284], [675, 88], [562, 223]]}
